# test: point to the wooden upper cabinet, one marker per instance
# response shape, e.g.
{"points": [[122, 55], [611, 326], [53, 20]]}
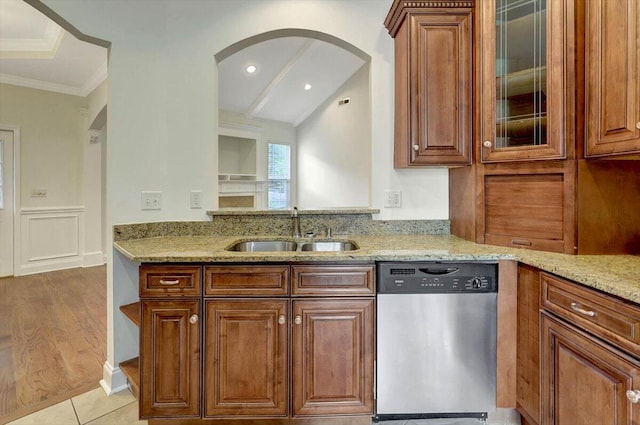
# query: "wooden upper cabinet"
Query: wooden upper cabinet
{"points": [[433, 82], [612, 80], [523, 65]]}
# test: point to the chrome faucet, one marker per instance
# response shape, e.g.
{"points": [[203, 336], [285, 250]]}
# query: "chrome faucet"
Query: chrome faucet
{"points": [[296, 222]]}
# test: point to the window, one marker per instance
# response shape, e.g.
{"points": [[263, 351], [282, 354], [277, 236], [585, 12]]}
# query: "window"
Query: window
{"points": [[279, 176]]}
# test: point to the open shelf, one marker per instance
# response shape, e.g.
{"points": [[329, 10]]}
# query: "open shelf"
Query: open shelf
{"points": [[234, 177], [530, 80], [132, 311], [131, 369]]}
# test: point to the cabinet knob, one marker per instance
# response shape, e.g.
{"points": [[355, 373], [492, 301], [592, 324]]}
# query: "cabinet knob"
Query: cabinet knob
{"points": [[487, 143], [633, 396], [281, 319], [297, 320], [638, 125], [193, 319], [416, 148]]}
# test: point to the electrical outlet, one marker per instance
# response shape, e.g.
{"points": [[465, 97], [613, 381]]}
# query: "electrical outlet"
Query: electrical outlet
{"points": [[392, 199], [196, 199], [151, 201], [38, 193]]}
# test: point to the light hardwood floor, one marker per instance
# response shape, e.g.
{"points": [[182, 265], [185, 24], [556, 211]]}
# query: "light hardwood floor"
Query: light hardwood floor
{"points": [[52, 338]]}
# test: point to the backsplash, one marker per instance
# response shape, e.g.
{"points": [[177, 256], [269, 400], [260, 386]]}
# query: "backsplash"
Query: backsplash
{"points": [[267, 223]]}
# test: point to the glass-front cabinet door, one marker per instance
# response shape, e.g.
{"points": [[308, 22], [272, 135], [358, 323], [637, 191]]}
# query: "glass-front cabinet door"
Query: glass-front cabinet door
{"points": [[522, 79]]}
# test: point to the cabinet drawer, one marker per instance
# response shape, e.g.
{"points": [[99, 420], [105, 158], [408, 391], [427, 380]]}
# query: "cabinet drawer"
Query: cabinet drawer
{"points": [[170, 281], [613, 320], [335, 280], [246, 280]]}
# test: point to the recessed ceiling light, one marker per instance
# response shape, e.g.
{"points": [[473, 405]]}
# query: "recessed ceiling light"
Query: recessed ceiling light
{"points": [[307, 86], [251, 69]]}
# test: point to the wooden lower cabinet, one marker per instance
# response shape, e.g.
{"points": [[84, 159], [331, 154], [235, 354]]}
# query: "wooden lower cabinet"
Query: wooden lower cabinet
{"points": [[170, 364], [246, 358], [248, 349], [333, 343], [528, 344], [585, 381]]}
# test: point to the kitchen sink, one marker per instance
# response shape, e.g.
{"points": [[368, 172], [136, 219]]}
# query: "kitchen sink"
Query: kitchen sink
{"points": [[288, 246], [329, 246], [263, 246]]}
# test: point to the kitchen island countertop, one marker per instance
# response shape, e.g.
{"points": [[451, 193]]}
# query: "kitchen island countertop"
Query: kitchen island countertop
{"points": [[614, 274]]}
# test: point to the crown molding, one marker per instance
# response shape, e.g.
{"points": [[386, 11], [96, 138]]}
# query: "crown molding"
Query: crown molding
{"points": [[41, 85], [401, 8]]}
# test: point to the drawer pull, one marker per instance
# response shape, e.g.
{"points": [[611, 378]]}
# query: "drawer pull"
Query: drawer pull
{"points": [[520, 242], [169, 282], [281, 319], [577, 308], [193, 319], [633, 396]]}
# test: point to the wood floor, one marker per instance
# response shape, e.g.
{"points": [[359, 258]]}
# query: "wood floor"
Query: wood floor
{"points": [[52, 338]]}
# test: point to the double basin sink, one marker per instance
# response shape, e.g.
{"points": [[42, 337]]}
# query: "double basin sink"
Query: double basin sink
{"points": [[288, 246]]}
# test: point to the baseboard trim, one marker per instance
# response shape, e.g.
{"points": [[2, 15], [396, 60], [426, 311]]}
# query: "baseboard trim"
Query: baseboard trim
{"points": [[113, 379], [91, 259], [49, 266]]}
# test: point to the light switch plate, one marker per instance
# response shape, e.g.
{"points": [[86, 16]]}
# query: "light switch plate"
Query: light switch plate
{"points": [[392, 199], [196, 199], [151, 201]]}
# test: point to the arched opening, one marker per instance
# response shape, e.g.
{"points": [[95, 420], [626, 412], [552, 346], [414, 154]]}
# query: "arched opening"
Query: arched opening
{"points": [[293, 130]]}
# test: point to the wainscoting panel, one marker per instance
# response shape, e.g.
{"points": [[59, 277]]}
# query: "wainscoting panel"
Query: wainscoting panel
{"points": [[51, 239]]}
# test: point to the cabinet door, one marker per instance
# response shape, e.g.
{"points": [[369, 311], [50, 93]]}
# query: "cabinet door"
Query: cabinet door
{"points": [[433, 89], [584, 381], [613, 77], [333, 345], [246, 358], [170, 359], [522, 79]]}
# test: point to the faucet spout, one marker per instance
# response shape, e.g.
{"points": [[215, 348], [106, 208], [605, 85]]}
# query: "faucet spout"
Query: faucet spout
{"points": [[295, 222]]}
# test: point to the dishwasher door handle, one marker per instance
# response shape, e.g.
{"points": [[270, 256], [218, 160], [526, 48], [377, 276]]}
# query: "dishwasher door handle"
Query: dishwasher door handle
{"points": [[440, 271]]}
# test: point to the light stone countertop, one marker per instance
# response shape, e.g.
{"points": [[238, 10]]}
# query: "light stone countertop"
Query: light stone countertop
{"points": [[614, 274]]}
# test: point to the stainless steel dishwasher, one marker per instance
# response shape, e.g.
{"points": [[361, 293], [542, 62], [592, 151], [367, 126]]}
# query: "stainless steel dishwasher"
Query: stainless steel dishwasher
{"points": [[436, 338]]}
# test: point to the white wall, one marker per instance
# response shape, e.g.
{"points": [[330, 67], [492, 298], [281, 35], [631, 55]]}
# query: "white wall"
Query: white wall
{"points": [[52, 131], [334, 145], [63, 229], [163, 107]]}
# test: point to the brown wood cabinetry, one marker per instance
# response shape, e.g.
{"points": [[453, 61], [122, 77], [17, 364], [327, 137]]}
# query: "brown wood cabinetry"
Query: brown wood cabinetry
{"points": [[433, 82], [523, 97], [531, 186], [585, 381], [333, 357], [528, 344], [244, 348], [246, 357], [612, 64], [578, 353], [170, 358]]}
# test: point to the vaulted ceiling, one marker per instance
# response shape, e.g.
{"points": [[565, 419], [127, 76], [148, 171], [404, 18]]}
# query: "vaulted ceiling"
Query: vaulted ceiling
{"points": [[36, 52]]}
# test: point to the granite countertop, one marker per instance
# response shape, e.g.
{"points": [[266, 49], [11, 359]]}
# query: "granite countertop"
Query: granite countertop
{"points": [[613, 274]]}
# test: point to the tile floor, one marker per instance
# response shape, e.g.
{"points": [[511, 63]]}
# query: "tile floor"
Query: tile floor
{"points": [[96, 408], [93, 407]]}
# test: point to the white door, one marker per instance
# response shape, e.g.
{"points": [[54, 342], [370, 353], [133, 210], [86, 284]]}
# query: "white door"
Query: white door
{"points": [[6, 203]]}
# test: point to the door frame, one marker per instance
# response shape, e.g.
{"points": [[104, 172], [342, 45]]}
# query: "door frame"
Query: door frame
{"points": [[16, 194]]}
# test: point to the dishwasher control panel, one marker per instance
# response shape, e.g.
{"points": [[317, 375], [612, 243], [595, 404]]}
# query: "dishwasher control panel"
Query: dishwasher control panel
{"points": [[437, 277]]}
